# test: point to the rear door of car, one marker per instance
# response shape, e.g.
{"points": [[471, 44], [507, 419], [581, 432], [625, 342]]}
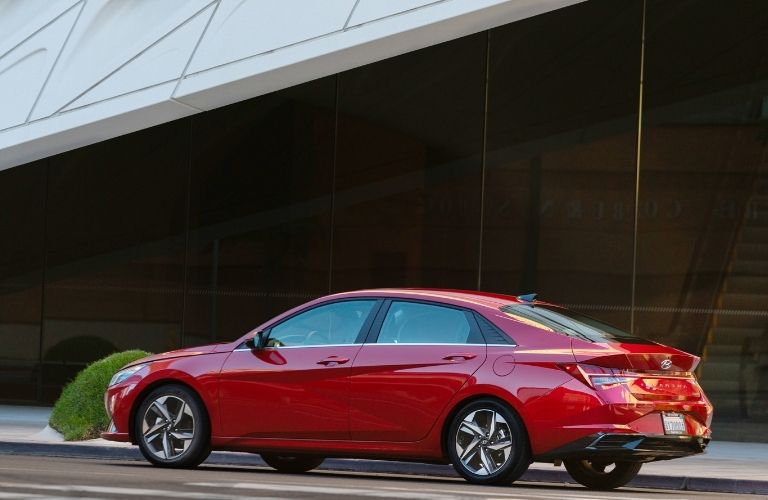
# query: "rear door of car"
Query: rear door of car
{"points": [[417, 356]]}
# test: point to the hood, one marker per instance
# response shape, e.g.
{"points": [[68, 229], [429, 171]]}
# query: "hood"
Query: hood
{"points": [[178, 353]]}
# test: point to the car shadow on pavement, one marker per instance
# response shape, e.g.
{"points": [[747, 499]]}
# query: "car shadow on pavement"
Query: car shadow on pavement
{"points": [[205, 470]]}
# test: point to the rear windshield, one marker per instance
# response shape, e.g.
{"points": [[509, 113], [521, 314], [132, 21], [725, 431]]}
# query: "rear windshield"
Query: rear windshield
{"points": [[567, 322]]}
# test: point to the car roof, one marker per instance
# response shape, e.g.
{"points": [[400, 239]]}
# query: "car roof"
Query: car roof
{"points": [[461, 298], [451, 296]]}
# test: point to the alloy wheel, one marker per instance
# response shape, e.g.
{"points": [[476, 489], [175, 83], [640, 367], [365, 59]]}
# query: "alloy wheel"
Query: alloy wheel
{"points": [[168, 427], [483, 442]]}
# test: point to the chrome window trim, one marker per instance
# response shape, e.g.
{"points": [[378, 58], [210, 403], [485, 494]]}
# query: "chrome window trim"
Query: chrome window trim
{"points": [[440, 343], [376, 343], [301, 346]]}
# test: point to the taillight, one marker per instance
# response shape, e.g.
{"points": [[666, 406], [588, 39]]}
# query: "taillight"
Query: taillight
{"points": [[595, 376], [677, 386], [600, 380]]}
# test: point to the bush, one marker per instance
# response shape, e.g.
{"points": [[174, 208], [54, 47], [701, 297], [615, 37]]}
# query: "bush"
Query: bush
{"points": [[79, 412]]}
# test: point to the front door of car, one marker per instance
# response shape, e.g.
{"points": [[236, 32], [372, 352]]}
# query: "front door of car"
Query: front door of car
{"points": [[297, 386], [403, 378]]}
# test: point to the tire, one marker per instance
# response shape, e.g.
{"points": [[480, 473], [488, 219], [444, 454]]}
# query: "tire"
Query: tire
{"points": [[172, 429], [485, 451], [292, 464], [594, 476]]}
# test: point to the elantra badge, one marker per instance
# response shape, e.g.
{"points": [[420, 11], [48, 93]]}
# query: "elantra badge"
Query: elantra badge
{"points": [[666, 364]]}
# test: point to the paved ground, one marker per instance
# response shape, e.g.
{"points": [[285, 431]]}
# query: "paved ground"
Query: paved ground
{"points": [[45, 477], [726, 467], [22, 422]]}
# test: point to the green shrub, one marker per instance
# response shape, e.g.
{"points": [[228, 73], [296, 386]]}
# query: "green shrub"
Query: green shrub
{"points": [[79, 412]]}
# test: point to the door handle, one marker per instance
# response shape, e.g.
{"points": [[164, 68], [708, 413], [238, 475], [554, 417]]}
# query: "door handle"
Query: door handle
{"points": [[333, 359], [464, 355]]}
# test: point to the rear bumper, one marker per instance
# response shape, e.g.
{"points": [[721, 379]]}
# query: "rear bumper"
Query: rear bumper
{"points": [[629, 447]]}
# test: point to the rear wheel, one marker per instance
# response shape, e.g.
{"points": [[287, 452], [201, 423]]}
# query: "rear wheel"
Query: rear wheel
{"points": [[292, 464], [602, 475], [172, 428], [487, 443]]}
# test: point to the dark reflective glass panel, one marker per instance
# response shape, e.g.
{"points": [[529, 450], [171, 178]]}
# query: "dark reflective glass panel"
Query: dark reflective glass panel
{"points": [[115, 214], [260, 209], [407, 198], [22, 202], [561, 157], [702, 281]]}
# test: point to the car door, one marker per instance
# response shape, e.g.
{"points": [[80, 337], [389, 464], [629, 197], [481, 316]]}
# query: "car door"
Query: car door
{"points": [[297, 386], [420, 355]]}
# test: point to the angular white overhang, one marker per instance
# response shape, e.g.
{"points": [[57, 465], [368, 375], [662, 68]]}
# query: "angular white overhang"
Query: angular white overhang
{"points": [[76, 72]]}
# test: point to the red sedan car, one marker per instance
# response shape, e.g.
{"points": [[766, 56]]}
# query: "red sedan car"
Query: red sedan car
{"points": [[486, 382]]}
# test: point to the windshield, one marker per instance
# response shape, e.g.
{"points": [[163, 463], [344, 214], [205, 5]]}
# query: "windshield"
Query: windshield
{"points": [[570, 323]]}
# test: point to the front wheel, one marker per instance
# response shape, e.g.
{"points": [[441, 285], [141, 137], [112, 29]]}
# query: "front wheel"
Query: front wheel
{"points": [[602, 475], [487, 443], [172, 428], [292, 464]]}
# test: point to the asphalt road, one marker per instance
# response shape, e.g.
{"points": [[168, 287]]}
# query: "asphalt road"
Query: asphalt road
{"points": [[36, 477]]}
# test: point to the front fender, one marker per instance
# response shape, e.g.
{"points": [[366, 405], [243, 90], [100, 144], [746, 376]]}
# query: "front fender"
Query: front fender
{"points": [[199, 373]]}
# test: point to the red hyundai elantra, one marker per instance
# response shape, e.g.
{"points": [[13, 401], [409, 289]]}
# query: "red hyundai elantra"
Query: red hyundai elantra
{"points": [[486, 382]]}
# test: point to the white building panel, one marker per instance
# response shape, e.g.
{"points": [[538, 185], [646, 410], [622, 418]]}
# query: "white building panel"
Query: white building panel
{"points": [[28, 53], [21, 19], [109, 34], [350, 48], [110, 67], [162, 62], [371, 10], [25, 68], [244, 29], [90, 124]]}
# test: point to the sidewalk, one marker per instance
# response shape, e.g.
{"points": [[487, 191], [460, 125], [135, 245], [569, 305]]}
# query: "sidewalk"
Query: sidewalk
{"points": [[727, 467]]}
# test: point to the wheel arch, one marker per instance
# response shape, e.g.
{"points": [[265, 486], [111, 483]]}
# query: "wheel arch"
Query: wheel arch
{"points": [[139, 399], [469, 399]]}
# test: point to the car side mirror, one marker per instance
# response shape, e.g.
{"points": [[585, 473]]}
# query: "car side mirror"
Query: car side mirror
{"points": [[257, 341]]}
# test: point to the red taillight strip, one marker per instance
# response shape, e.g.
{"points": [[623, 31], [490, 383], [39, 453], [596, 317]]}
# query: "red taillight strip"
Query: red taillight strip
{"points": [[582, 373]]}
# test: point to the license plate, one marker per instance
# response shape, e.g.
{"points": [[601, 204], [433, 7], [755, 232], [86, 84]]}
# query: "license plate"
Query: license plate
{"points": [[674, 423]]}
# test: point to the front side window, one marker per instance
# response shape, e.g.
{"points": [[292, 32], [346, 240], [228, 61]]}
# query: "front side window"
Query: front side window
{"points": [[336, 323], [416, 323]]}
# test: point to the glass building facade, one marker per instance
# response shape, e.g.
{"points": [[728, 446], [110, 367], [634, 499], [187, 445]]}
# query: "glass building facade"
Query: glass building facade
{"points": [[610, 156]]}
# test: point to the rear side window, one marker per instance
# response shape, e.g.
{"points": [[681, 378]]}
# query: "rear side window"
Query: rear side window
{"points": [[573, 324], [491, 333], [418, 323]]}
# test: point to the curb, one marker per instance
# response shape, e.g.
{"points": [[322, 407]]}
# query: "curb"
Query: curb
{"points": [[559, 475]]}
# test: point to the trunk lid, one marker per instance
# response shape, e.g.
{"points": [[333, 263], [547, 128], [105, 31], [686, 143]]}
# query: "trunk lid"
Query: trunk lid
{"points": [[651, 372], [645, 357]]}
